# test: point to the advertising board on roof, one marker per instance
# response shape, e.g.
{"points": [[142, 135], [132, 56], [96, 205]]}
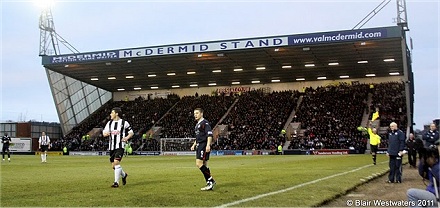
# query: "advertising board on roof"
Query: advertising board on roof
{"points": [[228, 45]]}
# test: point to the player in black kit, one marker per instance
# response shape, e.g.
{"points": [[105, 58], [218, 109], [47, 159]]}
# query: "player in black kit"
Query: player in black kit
{"points": [[202, 145]]}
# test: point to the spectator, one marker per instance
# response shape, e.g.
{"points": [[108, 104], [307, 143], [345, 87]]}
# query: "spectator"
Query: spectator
{"points": [[412, 150], [431, 136], [428, 169]]}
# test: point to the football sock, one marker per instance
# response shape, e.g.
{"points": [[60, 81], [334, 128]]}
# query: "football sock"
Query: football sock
{"points": [[122, 172], [42, 157], [210, 177], [118, 170], [206, 172], [374, 158]]}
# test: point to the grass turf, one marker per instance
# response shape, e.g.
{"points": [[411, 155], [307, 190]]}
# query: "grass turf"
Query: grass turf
{"points": [[175, 181]]}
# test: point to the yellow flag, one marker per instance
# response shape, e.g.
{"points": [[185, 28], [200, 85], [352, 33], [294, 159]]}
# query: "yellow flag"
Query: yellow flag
{"points": [[375, 116]]}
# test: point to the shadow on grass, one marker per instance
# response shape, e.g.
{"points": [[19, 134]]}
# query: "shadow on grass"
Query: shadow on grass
{"points": [[144, 183], [224, 187]]}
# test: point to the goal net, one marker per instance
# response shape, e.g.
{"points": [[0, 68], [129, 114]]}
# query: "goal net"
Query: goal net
{"points": [[176, 144]]}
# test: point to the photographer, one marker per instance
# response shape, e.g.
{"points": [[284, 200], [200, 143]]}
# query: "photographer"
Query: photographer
{"points": [[428, 169]]}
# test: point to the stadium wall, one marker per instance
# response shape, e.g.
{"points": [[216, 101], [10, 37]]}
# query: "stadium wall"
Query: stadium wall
{"points": [[131, 95]]}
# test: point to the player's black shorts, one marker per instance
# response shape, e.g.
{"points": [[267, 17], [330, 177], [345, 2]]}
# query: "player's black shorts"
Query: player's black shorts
{"points": [[5, 148], [201, 153], [116, 154], [373, 148], [44, 148]]}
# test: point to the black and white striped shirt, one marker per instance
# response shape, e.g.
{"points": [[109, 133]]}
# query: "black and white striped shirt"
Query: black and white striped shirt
{"points": [[118, 130], [44, 140]]}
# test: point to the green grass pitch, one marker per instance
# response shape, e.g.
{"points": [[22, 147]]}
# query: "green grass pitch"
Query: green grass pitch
{"points": [[156, 181]]}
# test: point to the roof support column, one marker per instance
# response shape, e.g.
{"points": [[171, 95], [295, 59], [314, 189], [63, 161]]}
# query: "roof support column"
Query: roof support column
{"points": [[407, 82]]}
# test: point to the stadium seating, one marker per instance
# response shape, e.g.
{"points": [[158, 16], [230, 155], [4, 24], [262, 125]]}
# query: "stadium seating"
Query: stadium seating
{"points": [[142, 114], [257, 119], [390, 99], [328, 115], [179, 122], [151, 145]]}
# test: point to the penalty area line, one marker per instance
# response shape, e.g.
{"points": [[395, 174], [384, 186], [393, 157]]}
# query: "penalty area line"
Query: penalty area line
{"points": [[291, 188]]}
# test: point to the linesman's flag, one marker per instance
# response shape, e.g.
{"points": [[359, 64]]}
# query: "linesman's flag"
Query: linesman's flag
{"points": [[375, 116]]}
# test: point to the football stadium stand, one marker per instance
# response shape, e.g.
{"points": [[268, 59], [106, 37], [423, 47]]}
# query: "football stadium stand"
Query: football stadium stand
{"points": [[329, 117], [304, 91]]}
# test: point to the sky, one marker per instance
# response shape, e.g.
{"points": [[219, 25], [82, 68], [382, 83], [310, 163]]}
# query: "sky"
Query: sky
{"points": [[102, 25]]}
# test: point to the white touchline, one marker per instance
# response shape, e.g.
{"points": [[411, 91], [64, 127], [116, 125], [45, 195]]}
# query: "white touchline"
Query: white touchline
{"points": [[291, 188]]}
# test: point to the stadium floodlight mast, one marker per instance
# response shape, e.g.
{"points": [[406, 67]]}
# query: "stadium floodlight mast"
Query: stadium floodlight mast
{"points": [[44, 3], [401, 14], [402, 21], [49, 38]]}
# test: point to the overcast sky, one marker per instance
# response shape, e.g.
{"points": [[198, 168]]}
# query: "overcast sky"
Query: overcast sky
{"points": [[103, 25]]}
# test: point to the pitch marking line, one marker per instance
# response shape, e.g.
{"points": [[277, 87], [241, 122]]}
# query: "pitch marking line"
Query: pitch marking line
{"points": [[291, 188]]}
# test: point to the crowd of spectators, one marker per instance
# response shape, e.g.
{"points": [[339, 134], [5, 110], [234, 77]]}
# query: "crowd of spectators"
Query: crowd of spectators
{"points": [[74, 138], [330, 116], [256, 120], [179, 122], [390, 99], [140, 113], [150, 145], [176, 145]]}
